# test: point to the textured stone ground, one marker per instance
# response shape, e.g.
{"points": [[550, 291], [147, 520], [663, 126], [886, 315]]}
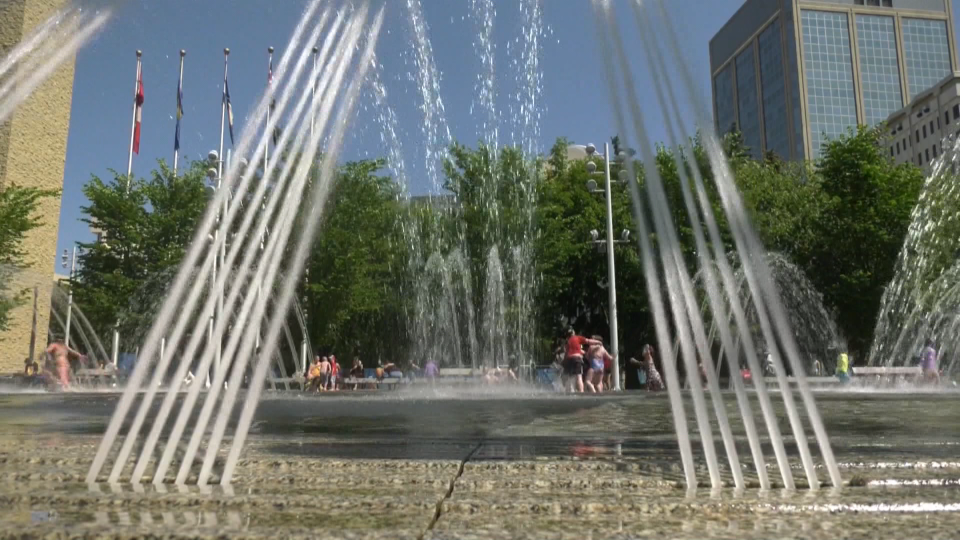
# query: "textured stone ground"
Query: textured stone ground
{"points": [[480, 469], [42, 495]]}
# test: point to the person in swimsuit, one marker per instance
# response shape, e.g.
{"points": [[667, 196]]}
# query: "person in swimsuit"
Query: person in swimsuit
{"points": [[324, 373], [61, 356], [597, 357], [573, 359]]}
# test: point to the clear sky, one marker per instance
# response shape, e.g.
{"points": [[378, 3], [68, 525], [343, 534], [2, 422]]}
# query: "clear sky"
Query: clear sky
{"points": [[573, 89]]}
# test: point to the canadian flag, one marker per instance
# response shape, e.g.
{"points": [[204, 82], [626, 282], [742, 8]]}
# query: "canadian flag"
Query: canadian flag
{"points": [[139, 102]]}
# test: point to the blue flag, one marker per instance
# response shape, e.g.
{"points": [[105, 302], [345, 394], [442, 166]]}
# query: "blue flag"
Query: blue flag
{"points": [[226, 100], [176, 138]]}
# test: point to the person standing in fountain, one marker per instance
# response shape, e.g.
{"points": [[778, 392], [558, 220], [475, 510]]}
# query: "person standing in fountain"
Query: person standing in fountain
{"points": [[654, 380], [61, 355], [431, 371], [843, 368], [597, 356], [356, 372], [929, 363], [313, 374], [324, 373], [334, 373], [573, 360]]}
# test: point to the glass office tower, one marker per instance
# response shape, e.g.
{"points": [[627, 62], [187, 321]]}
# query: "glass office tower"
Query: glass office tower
{"points": [[791, 74]]}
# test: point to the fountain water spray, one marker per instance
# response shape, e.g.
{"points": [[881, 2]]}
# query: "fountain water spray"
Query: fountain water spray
{"points": [[331, 92], [686, 315]]}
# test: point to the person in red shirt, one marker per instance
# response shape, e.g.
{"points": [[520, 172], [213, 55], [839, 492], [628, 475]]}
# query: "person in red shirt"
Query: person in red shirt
{"points": [[334, 372], [573, 360]]}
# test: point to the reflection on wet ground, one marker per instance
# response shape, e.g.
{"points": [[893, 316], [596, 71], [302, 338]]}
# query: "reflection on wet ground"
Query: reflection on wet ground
{"points": [[396, 465]]}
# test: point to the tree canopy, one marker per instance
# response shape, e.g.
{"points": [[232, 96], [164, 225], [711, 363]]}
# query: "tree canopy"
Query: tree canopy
{"points": [[18, 216]]}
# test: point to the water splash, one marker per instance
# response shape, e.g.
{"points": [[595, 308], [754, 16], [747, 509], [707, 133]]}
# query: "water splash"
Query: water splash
{"points": [[922, 300]]}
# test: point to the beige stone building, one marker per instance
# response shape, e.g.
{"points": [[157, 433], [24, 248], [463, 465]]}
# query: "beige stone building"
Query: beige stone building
{"points": [[33, 145]]}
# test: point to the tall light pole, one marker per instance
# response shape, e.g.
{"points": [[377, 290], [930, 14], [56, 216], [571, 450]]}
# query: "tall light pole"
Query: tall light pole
{"points": [[73, 269], [214, 173], [610, 244]]}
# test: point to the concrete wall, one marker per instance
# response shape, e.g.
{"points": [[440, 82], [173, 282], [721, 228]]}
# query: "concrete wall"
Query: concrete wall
{"points": [[33, 146]]}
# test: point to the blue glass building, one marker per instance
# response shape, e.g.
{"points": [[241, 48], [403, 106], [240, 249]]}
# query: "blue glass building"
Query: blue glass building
{"points": [[790, 74]]}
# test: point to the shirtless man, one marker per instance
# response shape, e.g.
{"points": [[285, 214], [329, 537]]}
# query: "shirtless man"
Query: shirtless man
{"points": [[325, 371], [61, 355]]}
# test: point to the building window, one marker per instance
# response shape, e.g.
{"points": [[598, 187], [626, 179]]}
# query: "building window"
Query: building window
{"points": [[956, 112], [831, 103], [946, 117], [926, 155], [793, 73], [879, 69], [931, 128], [934, 151], [924, 131], [926, 53], [723, 90], [918, 135], [898, 148], [748, 108], [773, 90]]}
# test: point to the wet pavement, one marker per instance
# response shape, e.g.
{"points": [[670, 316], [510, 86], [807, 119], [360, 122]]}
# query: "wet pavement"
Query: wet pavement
{"points": [[460, 464]]}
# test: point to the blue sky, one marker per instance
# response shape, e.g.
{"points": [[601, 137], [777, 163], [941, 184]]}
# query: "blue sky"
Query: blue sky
{"points": [[573, 89]]}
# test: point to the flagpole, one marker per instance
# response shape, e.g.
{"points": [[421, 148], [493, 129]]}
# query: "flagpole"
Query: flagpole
{"points": [[133, 122], [313, 86], [176, 151], [216, 233], [266, 152]]}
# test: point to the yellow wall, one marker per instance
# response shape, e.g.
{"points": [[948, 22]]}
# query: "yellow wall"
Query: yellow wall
{"points": [[33, 146]]}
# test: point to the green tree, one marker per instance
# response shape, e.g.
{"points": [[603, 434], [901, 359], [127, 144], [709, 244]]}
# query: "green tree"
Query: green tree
{"points": [[147, 224], [18, 216], [868, 202], [354, 295], [572, 270]]}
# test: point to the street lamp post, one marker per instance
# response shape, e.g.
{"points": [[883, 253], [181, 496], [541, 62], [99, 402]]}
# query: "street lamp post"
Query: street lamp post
{"points": [[611, 262], [73, 269]]}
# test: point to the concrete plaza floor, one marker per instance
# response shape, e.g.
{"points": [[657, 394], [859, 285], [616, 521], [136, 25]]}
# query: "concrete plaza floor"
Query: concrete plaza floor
{"points": [[512, 467]]}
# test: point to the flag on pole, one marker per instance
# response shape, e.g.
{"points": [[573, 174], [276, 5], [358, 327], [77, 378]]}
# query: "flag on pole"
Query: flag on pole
{"points": [[226, 100], [176, 138], [139, 116]]}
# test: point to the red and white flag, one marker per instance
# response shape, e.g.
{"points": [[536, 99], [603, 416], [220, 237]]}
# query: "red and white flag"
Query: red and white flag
{"points": [[139, 102]]}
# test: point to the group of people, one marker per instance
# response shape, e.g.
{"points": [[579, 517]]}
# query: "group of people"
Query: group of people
{"points": [[586, 365]]}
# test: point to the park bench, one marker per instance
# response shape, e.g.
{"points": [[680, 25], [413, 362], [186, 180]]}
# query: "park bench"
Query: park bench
{"points": [[371, 382], [888, 371], [95, 377], [887, 374], [459, 374]]}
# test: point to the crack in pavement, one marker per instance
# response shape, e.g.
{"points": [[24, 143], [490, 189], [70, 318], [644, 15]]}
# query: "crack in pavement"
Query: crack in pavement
{"points": [[438, 513]]}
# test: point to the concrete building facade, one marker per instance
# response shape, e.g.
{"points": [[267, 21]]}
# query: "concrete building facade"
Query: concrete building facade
{"points": [[918, 131], [33, 146], [790, 74]]}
